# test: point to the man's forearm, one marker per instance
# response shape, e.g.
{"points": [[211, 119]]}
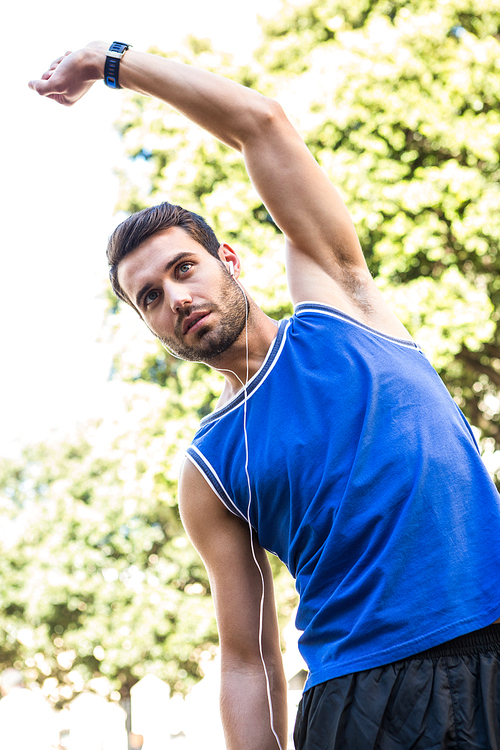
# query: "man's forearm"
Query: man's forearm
{"points": [[296, 192], [231, 112], [245, 709]]}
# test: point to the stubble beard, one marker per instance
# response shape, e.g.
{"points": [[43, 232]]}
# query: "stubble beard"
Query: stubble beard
{"points": [[232, 308]]}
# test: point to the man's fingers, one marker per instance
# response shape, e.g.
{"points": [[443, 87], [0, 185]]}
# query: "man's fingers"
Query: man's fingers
{"points": [[65, 81], [38, 85], [42, 87], [56, 62], [33, 85]]}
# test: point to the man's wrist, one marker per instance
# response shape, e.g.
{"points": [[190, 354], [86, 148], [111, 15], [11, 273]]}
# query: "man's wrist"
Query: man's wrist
{"points": [[95, 59]]}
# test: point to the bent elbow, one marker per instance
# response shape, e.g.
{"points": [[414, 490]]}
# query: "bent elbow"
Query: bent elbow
{"points": [[270, 116], [264, 117]]}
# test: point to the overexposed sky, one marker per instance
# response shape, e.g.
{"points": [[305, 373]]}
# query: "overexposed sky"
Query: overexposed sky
{"points": [[59, 194]]}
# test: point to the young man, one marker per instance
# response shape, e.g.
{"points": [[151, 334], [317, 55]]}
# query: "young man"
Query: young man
{"points": [[343, 453]]}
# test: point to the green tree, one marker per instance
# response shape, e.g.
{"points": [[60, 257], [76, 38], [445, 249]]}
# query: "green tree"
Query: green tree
{"points": [[98, 578]]}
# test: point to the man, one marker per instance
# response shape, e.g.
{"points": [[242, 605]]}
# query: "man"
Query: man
{"points": [[343, 453]]}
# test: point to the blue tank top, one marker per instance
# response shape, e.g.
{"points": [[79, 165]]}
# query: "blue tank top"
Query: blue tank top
{"points": [[367, 482]]}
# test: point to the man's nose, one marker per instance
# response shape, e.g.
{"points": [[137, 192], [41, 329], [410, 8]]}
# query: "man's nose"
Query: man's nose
{"points": [[179, 297]]}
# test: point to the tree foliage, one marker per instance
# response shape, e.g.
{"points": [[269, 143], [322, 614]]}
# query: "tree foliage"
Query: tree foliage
{"points": [[99, 581]]}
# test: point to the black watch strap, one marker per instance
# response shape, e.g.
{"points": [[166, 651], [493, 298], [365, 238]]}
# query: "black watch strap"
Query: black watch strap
{"points": [[112, 64]]}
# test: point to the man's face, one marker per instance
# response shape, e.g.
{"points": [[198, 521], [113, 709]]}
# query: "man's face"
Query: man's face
{"points": [[184, 295]]}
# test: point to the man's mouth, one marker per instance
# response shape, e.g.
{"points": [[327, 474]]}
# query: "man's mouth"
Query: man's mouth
{"points": [[193, 322]]}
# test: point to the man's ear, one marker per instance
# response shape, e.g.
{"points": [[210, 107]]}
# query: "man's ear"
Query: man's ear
{"points": [[230, 260]]}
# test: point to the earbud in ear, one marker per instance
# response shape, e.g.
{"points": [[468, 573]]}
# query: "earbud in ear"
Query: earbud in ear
{"points": [[231, 267]]}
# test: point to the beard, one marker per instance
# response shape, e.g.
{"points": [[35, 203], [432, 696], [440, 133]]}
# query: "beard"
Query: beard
{"points": [[212, 342]]}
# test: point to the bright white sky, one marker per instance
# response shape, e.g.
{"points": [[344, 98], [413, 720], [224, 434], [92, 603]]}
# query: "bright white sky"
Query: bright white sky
{"points": [[59, 196]]}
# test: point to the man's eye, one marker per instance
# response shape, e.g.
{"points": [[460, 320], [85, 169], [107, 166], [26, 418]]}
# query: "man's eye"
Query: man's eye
{"points": [[184, 267], [150, 297]]}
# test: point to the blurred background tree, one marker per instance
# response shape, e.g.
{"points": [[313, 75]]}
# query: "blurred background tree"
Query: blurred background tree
{"points": [[99, 581], [399, 102]]}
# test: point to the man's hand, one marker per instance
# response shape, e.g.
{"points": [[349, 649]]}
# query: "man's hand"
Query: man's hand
{"points": [[72, 75]]}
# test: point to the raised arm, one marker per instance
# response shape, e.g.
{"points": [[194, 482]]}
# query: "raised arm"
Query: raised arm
{"points": [[324, 258], [298, 194], [223, 542]]}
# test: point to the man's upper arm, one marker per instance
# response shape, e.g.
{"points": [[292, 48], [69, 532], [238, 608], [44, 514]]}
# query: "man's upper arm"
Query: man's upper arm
{"points": [[325, 262], [298, 194], [224, 544]]}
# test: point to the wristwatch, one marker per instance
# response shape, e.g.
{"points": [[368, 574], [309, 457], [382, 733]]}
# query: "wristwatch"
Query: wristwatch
{"points": [[112, 64]]}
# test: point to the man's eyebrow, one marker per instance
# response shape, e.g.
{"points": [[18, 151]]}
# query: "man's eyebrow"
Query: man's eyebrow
{"points": [[147, 286]]}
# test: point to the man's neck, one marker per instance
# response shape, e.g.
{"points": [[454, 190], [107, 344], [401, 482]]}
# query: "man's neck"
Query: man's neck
{"points": [[246, 356]]}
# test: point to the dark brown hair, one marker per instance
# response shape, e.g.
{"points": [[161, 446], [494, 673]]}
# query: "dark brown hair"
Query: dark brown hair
{"points": [[144, 224]]}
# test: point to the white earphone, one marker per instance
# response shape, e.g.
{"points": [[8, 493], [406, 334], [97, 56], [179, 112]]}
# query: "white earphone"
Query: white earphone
{"points": [[231, 267]]}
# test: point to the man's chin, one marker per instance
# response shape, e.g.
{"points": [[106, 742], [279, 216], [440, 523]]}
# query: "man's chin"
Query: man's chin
{"points": [[205, 354], [210, 342]]}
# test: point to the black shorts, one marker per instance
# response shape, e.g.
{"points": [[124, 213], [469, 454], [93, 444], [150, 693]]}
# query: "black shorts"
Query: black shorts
{"points": [[447, 698]]}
